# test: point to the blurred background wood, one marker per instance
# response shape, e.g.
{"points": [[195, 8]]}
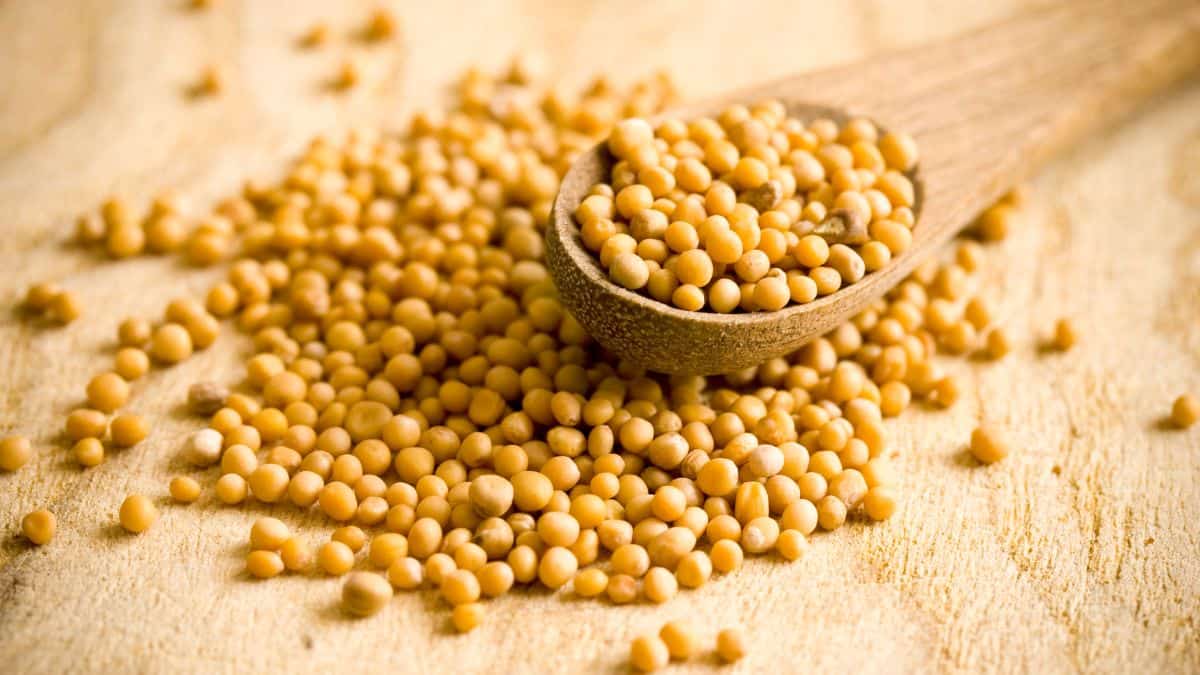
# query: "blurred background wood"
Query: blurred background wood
{"points": [[1076, 554]]}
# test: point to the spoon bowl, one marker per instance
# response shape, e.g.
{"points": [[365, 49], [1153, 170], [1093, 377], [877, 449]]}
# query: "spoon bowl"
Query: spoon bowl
{"points": [[986, 109], [660, 337]]}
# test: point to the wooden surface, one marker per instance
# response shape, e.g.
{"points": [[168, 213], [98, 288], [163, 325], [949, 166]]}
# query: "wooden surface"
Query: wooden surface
{"points": [[1078, 554]]}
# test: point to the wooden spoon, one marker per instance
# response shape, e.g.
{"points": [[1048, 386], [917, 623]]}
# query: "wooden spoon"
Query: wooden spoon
{"points": [[986, 109]]}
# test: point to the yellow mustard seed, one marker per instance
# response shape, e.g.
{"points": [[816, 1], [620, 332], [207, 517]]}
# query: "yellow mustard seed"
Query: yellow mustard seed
{"points": [[467, 617], [39, 296], [386, 549], [131, 363], [295, 554], [231, 489], [184, 489], [365, 594], [460, 587], [1185, 411], [88, 452], [137, 514], [557, 566], [989, 444], [65, 307], [39, 527], [590, 582], [406, 574], [127, 430], [682, 639], [335, 558], [171, 343], [268, 534], [731, 644], [727, 556], [649, 653], [264, 564], [15, 452], [1066, 334]]}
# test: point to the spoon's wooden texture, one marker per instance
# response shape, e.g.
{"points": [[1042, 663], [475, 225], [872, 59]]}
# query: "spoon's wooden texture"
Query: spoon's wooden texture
{"points": [[986, 109]]}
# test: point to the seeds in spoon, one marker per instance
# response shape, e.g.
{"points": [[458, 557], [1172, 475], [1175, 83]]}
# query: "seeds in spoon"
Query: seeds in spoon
{"points": [[749, 225]]}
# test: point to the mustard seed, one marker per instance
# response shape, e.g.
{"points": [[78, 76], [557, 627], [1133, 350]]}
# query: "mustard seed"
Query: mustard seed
{"points": [[137, 514], [15, 452], [264, 564], [682, 639], [988, 444], [590, 582], [467, 617], [39, 527], [184, 489], [128, 430], [1185, 411], [335, 558], [1065, 334], [88, 452], [231, 489], [364, 594], [65, 307], [295, 554], [649, 653], [268, 534], [406, 573], [659, 585], [558, 566], [731, 644]]}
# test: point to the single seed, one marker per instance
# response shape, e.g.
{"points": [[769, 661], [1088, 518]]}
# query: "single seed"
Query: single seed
{"points": [[39, 527], [1065, 334], [65, 307], [1185, 411], [184, 489], [682, 639], [88, 452], [206, 398], [128, 430], [264, 564], [137, 514], [15, 452], [335, 558], [364, 594], [268, 534], [467, 617], [649, 653], [988, 444], [731, 644]]}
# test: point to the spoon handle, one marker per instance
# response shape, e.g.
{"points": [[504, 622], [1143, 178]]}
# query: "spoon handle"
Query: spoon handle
{"points": [[988, 107]]}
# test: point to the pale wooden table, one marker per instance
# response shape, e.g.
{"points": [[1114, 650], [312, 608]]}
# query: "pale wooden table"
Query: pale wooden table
{"points": [[1078, 554]]}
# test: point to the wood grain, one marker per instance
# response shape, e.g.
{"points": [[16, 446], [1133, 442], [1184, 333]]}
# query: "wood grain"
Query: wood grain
{"points": [[1077, 554], [985, 115]]}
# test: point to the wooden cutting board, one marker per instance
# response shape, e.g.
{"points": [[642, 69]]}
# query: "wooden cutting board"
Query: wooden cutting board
{"points": [[1079, 553]]}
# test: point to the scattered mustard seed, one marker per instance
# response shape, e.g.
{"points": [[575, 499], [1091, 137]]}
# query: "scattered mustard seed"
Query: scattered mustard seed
{"points": [[39, 527], [649, 653], [988, 444], [731, 644], [15, 452], [137, 514], [364, 594], [184, 489], [1185, 411]]}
